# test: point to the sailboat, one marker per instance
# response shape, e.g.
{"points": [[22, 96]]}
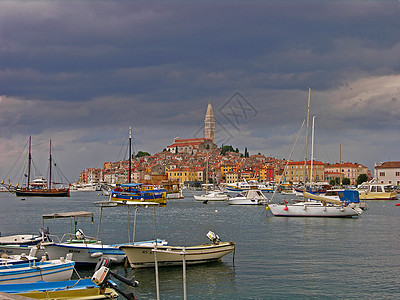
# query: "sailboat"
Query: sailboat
{"points": [[313, 205], [137, 192], [215, 195], [39, 187]]}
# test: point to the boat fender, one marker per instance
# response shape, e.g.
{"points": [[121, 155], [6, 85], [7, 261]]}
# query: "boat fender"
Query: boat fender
{"points": [[285, 208], [342, 208], [68, 256], [304, 207], [96, 254]]}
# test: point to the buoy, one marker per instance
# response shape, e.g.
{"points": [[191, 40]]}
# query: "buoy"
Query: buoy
{"points": [[267, 207], [397, 204], [216, 210], [286, 208]]}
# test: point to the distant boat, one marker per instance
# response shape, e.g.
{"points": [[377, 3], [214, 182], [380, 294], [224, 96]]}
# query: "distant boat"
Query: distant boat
{"points": [[216, 195], [38, 187], [248, 197], [247, 185]]}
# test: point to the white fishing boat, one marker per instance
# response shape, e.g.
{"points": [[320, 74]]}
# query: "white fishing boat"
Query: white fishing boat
{"points": [[45, 270], [248, 197], [86, 249], [144, 256], [215, 195], [22, 243]]}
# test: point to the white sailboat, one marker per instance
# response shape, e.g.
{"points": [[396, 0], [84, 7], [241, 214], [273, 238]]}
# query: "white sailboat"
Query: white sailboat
{"points": [[313, 205]]}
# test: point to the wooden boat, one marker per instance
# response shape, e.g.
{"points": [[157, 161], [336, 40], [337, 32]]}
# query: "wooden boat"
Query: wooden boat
{"points": [[38, 187], [68, 289], [144, 256], [45, 270]]}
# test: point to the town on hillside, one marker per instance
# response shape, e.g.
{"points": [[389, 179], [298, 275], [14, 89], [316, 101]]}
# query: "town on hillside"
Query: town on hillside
{"points": [[195, 161]]}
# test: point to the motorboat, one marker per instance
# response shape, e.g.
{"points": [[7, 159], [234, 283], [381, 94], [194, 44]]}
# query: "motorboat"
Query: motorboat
{"points": [[377, 191], [44, 270], [347, 196], [144, 256], [215, 195], [248, 197], [23, 243]]}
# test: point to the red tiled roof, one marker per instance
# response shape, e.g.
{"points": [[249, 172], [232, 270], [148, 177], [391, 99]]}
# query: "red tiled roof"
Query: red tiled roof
{"points": [[389, 164]]}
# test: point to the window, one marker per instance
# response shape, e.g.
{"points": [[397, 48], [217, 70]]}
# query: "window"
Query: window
{"points": [[382, 174], [397, 173]]}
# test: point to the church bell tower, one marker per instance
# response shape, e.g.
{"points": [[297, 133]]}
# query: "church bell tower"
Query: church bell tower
{"points": [[209, 123]]}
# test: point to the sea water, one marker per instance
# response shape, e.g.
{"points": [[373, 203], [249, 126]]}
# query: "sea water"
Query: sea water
{"points": [[275, 257]]}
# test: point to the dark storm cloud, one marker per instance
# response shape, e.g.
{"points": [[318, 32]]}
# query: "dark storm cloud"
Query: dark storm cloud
{"points": [[92, 68]]}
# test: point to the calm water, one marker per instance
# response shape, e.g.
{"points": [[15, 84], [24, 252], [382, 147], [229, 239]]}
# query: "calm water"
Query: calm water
{"points": [[275, 258]]}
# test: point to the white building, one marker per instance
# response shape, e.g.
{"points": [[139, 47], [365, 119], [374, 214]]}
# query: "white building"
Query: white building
{"points": [[388, 172]]}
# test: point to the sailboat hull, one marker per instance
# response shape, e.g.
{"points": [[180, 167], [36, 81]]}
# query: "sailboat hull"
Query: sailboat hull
{"points": [[306, 210], [42, 193]]}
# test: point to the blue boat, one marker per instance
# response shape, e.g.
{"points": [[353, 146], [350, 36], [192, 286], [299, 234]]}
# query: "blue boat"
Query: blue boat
{"points": [[138, 192], [29, 272]]}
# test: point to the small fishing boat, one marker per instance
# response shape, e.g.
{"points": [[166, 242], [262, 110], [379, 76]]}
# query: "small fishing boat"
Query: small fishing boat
{"points": [[144, 255], [86, 249], [248, 197], [138, 192], [44, 270], [68, 289]]}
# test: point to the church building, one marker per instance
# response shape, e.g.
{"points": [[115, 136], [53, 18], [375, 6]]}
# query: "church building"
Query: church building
{"points": [[191, 146]]}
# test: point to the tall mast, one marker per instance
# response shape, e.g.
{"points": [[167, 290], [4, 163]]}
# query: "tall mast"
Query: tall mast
{"points": [[29, 160], [130, 155], [312, 151], [308, 126], [49, 184], [340, 164]]}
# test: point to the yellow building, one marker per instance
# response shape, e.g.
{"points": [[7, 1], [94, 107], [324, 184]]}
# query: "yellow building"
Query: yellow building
{"points": [[186, 174], [295, 171]]}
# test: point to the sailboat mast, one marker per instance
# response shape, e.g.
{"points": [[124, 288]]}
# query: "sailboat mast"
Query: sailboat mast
{"points": [[308, 126], [340, 164], [312, 151], [29, 160], [130, 156], [50, 162]]}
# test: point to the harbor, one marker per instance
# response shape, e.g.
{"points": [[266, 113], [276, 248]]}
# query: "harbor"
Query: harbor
{"points": [[274, 258]]}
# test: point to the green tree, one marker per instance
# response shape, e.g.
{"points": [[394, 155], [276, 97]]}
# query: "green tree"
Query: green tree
{"points": [[142, 153], [225, 149], [346, 181], [362, 178]]}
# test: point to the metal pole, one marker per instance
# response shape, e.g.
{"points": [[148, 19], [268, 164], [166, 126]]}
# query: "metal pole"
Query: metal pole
{"points": [[156, 268], [129, 234], [184, 274], [134, 226]]}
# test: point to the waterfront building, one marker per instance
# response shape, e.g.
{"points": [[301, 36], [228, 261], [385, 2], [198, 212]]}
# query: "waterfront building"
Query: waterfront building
{"points": [[187, 174], [388, 172], [295, 171], [347, 170]]}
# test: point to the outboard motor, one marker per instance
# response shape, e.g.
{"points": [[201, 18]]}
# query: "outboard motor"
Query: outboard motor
{"points": [[213, 237], [102, 274]]}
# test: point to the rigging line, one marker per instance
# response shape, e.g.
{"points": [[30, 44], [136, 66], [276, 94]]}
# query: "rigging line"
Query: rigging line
{"points": [[290, 157], [17, 160]]}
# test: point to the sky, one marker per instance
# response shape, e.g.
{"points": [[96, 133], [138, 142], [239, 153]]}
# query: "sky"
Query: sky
{"points": [[83, 72]]}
